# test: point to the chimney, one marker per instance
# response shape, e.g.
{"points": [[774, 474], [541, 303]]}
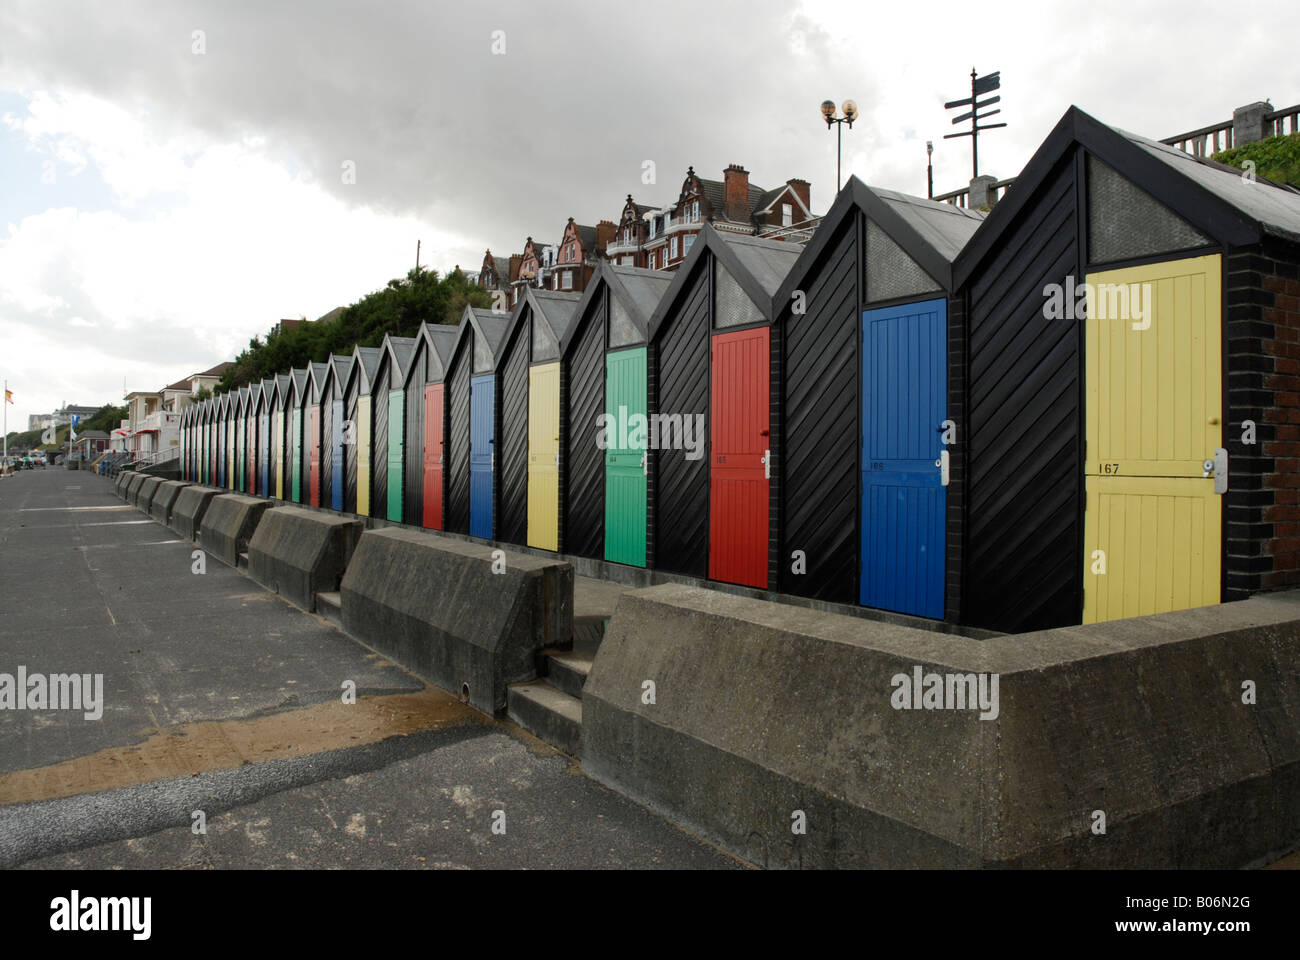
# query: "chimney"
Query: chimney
{"points": [[605, 232], [735, 193], [802, 189], [516, 261]]}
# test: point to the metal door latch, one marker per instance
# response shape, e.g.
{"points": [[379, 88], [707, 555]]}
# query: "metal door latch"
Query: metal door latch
{"points": [[767, 464], [493, 460], [942, 464], [645, 464], [1218, 469]]}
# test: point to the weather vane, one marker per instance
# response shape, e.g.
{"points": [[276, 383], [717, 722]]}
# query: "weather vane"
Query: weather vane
{"points": [[978, 87]]}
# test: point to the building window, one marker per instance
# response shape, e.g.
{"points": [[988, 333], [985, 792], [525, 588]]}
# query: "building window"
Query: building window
{"points": [[687, 242], [787, 215], [568, 279], [695, 211], [674, 252]]}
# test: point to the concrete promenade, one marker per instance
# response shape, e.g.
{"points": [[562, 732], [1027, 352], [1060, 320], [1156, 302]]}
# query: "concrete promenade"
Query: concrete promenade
{"points": [[219, 697]]}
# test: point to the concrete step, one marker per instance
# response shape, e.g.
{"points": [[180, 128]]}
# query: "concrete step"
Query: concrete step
{"points": [[587, 634], [243, 561], [546, 713], [330, 606], [567, 671]]}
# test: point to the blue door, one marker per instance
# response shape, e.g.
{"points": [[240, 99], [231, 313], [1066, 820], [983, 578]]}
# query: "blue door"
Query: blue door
{"points": [[904, 405], [336, 456], [481, 459]]}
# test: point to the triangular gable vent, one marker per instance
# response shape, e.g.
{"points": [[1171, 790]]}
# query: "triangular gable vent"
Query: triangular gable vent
{"points": [[733, 307], [891, 272], [1126, 222]]}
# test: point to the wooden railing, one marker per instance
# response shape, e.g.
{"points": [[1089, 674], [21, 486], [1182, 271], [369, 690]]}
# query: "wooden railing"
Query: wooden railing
{"points": [[1208, 141], [1204, 142], [1281, 119]]}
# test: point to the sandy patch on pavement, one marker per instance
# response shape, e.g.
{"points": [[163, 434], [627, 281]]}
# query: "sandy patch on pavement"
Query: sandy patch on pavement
{"points": [[195, 748]]}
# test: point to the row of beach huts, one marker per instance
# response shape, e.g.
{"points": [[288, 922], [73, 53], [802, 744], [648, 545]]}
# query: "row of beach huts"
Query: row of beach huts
{"points": [[1082, 406]]}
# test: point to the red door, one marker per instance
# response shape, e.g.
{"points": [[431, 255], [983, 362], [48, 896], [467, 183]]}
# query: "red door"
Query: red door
{"points": [[433, 456], [738, 475], [313, 425]]}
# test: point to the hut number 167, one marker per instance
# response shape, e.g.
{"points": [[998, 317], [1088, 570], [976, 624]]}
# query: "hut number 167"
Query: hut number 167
{"points": [[1108, 468]]}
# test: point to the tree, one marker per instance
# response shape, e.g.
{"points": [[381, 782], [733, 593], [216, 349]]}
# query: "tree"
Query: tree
{"points": [[397, 309]]}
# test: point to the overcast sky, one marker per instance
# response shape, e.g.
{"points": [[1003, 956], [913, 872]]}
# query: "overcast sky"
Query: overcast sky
{"points": [[166, 197]]}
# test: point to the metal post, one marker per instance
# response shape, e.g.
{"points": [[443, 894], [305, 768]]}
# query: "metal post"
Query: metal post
{"points": [[839, 143]]}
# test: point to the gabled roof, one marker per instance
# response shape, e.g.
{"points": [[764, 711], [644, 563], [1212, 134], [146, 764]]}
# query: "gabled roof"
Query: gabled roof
{"points": [[319, 373], [301, 381], [400, 350], [931, 232], [488, 324], [638, 290], [768, 200], [551, 307], [342, 370], [758, 265], [178, 385], [216, 371], [1213, 198], [440, 338], [555, 308], [365, 364], [283, 388], [265, 390]]}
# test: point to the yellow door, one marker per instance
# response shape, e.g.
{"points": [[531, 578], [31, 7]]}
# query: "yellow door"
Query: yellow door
{"points": [[362, 436], [544, 456], [1154, 399], [279, 454]]}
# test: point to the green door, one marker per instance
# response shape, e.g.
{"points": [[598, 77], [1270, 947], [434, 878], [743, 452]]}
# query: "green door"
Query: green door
{"points": [[625, 456], [295, 437], [396, 445]]}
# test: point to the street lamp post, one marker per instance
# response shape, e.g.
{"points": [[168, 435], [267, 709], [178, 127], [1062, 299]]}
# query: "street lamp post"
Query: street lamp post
{"points": [[850, 114]]}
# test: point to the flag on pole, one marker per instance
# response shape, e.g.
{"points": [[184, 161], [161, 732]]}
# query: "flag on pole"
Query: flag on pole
{"points": [[9, 396]]}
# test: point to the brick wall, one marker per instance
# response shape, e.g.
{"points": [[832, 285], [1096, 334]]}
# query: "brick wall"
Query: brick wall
{"points": [[1262, 287]]}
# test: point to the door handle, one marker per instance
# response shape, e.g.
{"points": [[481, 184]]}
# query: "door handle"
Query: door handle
{"points": [[645, 464], [942, 464], [767, 464]]}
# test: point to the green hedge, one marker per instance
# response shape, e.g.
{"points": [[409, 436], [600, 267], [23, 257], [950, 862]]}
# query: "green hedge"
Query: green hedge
{"points": [[1277, 158]]}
